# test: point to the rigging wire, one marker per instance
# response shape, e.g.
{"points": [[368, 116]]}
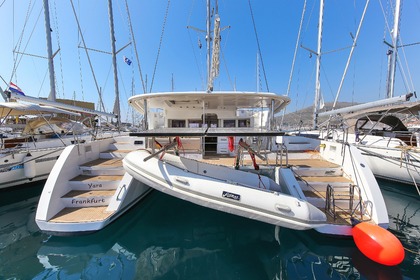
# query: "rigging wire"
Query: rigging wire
{"points": [[132, 83], [88, 57], [57, 32], [135, 47], [407, 82], [225, 40], [80, 60], [294, 59], [200, 72], [17, 50], [258, 44], [160, 44], [197, 60]]}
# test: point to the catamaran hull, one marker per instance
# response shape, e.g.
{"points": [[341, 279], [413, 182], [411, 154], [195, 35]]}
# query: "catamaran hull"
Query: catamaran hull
{"points": [[80, 197], [224, 195]]}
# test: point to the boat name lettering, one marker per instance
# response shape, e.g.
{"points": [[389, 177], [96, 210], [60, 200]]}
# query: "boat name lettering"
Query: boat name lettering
{"points": [[94, 186], [229, 195], [16, 167], [88, 201]]}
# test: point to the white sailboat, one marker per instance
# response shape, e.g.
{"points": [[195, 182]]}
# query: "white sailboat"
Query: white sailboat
{"points": [[377, 128], [88, 188], [289, 181], [30, 156]]}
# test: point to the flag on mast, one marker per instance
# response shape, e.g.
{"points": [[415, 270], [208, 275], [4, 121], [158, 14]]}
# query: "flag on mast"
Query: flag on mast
{"points": [[127, 60], [14, 88]]}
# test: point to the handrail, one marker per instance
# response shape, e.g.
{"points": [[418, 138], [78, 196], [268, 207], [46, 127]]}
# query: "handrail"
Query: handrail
{"points": [[282, 149], [331, 206], [124, 187]]}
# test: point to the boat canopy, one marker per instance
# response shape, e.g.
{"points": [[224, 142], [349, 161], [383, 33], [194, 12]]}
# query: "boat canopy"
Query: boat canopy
{"points": [[214, 100], [19, 109], [391, 123]]}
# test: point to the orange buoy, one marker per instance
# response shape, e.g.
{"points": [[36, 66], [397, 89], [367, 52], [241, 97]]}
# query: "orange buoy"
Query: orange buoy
{"points": [[378, 244]]}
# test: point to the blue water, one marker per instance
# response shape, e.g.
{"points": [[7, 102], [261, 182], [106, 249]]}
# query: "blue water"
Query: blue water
{"points": [[166, 238]]}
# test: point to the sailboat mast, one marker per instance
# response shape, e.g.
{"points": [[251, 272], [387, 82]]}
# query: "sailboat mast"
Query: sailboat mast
{"points": [[52, 94], [114, 63], [208, 40], [393, 54], [318, 67]]}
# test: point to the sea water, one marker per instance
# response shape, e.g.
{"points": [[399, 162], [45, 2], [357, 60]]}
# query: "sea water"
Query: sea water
{"points": [[166, 238]]}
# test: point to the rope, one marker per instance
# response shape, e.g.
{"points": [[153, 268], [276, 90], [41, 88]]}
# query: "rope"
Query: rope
{"points": [[160, 44], [407, 160], [261, 182], [406, 153]]}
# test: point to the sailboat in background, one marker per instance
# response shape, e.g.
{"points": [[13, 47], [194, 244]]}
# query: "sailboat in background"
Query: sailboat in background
{"points": [[29, 154], [377, 128]]}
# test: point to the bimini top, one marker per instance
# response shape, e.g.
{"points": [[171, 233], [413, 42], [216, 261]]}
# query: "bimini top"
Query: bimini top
{"points": [[19, 109], [225, 100]]}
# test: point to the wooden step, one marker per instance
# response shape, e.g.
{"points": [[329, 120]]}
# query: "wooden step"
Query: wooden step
{"points": [[110, 154], [108, 166], [81, 194], [312, 163], [98, 178], [76, 198], [326, 179], [80, 215], [104, 163]]}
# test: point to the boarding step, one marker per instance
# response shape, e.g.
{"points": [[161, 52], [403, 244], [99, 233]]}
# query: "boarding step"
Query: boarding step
{"points": [[130, 145], [99, 182], [101, 166], [87, 198], [110, 154], [81, 214], [320, 183], [318, 172]]}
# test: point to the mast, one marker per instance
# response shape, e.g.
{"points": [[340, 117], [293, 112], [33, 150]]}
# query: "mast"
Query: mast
{"points": [[50, 57], [114, 64], [392, 60], [208, 40], [318, 67]]}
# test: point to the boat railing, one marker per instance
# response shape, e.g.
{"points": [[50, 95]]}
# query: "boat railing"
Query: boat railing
{"points": [[345, 194], [282, 151]]}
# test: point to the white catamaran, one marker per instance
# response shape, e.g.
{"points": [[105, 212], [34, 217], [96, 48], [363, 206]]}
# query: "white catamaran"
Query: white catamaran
{"points": [[290, 181]]}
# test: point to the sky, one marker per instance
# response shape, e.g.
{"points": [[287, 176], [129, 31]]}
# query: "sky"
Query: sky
{"points": [[257, 49]]}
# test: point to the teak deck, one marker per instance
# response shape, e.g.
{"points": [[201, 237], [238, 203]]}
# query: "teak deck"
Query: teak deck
{"points": [[80, 215]]}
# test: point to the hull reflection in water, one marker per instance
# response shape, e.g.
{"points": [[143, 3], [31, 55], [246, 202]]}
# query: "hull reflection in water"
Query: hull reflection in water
{"points": [[166, 238]]}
